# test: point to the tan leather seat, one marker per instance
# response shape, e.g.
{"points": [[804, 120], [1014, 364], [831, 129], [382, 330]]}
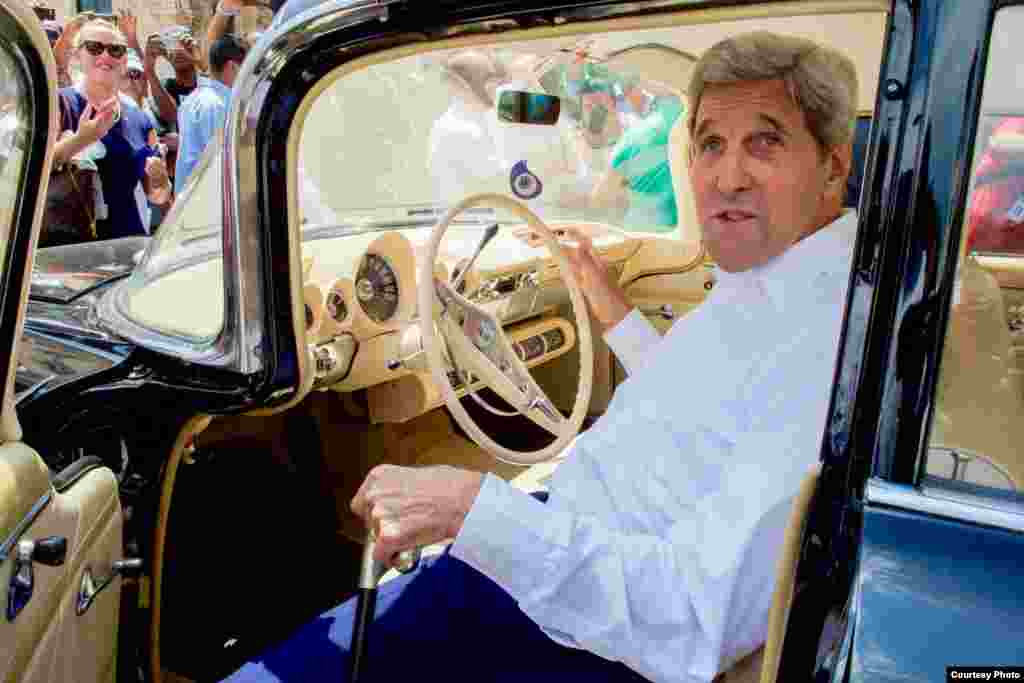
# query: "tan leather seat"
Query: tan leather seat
{"points": [[678, 143], [978, 404], [763, 664]]}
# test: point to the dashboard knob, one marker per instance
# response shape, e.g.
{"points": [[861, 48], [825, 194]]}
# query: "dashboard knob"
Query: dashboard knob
{"points": [[394, 364]]}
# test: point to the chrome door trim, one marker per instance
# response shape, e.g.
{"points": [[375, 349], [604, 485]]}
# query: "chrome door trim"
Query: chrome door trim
{"points": [[243, 255], [12, 539], [1001, 514]]}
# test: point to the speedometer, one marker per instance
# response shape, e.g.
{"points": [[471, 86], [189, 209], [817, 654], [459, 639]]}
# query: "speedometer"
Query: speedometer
{"points": [[377, 288]]}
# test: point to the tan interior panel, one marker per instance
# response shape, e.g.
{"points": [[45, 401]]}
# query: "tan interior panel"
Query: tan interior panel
{"points": [[785, 577], [682, 291], [979, 400], [51, 642], [1009, 274]]}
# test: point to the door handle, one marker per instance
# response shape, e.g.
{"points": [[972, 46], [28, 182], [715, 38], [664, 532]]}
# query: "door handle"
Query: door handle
{"points": [[665, 311], [91, 587], [49, 551]]}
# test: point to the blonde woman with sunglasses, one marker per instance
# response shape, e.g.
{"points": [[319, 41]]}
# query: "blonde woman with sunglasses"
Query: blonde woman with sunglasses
{"points": [[118, 137]]}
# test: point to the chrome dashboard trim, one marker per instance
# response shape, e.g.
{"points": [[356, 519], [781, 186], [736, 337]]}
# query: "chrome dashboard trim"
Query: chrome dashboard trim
{"points": [[934, 500], [12, 539]]}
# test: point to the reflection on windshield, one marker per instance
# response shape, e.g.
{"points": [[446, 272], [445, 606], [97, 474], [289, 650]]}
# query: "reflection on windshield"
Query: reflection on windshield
{"points": [[381, 143], [62, 273], [394, 145]]}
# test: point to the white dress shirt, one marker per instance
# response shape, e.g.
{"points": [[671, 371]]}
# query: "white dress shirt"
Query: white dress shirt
{"points": [[659, 543]]}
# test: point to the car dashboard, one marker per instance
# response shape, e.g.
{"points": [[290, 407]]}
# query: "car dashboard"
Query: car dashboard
{"points": [[361, 322]]}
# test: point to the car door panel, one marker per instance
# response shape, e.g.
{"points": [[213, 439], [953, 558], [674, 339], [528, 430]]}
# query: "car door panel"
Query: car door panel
{"points": [[665, 279], [48, 641], [665, 298], [929, 585]]}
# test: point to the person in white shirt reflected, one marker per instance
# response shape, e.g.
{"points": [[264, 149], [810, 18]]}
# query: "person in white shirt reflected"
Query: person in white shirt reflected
{"points": [[655, 554]]}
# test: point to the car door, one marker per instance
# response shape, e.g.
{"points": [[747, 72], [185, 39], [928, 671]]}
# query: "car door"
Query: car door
{"points": [[909, 563], [60, 536]]}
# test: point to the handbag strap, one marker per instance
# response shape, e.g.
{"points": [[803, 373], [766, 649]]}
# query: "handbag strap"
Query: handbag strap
{"points": [[67, 122], [85, 204]]}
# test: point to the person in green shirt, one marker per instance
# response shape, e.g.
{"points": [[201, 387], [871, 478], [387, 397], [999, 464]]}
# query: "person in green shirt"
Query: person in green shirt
{"points": [[640, 177]]}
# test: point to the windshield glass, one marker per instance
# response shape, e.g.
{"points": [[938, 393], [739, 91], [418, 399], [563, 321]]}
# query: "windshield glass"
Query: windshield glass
{"points": [[584, 129], [66, 272], [571, 129]]}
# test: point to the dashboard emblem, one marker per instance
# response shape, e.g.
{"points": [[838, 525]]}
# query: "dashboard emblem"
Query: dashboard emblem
{"points": [[486, 333], [525, 184]]}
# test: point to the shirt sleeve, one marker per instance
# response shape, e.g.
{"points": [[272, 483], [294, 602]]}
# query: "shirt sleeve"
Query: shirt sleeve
{"points": [[632, 339], [679, 605]]}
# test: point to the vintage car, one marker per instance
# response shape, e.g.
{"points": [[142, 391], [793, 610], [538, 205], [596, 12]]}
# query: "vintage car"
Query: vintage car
{"points": [[365, 268]]}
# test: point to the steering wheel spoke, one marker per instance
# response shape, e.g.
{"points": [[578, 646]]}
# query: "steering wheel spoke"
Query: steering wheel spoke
{"points": [[477, 343]]}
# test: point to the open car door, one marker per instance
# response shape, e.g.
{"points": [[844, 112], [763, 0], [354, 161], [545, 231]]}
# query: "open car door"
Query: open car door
{"points": [[60, 534]]}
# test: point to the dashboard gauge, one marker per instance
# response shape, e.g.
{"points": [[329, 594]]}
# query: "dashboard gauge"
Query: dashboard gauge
{"points": [[336, 307], [377, 288]]}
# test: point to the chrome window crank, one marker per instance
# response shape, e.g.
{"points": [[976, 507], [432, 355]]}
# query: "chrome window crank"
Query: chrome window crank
{"points": [[49, 551], [91, 587]]}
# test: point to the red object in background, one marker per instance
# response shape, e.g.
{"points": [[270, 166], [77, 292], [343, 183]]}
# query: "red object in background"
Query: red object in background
{"points": [[995, 216]]}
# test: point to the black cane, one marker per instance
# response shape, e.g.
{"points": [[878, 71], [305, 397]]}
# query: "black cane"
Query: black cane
{"points": [[370, 572]]}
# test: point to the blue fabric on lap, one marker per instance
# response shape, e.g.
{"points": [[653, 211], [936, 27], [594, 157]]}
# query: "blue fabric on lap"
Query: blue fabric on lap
{"points": [[444, 619]]}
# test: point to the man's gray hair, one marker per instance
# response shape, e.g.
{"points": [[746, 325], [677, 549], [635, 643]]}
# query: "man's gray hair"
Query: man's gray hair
{"points": [[822, 81]]}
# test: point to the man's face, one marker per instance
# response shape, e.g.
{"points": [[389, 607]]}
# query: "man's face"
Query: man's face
{"points": [[760, 180]]}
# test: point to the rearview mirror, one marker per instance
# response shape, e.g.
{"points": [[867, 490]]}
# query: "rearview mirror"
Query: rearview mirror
{"points": [[516, 106]]}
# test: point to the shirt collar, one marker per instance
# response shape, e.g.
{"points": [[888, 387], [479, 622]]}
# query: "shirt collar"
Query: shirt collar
{"points": [[222, 89], [789, 275]]}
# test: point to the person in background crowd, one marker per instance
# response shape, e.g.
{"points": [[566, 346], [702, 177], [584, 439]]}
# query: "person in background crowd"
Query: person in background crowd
{"points": [[52, 30], [995, 217], [117, 136], [202, 113], [223, 18], [176, 45], [62, 49], [136, 87]]}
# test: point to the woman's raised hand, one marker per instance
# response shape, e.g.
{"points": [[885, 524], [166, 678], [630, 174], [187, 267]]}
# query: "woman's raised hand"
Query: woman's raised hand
{"points": [[97, 121]]}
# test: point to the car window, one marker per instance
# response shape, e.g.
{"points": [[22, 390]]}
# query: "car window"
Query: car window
{"points": [[14, 105], [398, 141], [184, 262], [978, 424]]}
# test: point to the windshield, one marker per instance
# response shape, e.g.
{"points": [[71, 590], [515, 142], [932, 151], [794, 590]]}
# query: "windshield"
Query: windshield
{"points": [[584, 129], [574, 133]]}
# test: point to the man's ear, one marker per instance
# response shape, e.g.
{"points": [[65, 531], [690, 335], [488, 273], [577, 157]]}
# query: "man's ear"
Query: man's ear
{"points": [[838, 163]]}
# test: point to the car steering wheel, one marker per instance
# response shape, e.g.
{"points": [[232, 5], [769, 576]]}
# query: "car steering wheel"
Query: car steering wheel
{"points": [[474, 339]]}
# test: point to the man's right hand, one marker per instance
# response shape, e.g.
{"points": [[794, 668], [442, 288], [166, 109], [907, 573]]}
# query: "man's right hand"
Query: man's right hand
{"points": [[607, 301], [232, 5]]}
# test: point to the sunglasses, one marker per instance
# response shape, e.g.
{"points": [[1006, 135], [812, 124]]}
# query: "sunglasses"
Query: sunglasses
{"points": [[96, 48], [135, 75]]}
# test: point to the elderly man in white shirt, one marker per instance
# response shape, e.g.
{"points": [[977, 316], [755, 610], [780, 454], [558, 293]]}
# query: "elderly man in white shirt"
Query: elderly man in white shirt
{"points": [[654, 556]]}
